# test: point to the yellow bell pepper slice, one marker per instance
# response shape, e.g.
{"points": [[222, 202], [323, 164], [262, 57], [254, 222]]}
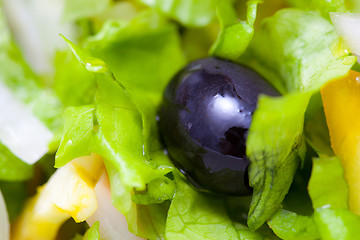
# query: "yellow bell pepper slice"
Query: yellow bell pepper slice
{"points": [[341, 101], [68, 193]]}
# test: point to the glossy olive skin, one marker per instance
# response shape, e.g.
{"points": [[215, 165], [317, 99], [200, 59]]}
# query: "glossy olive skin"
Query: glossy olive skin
{"points": [[204, 121]]}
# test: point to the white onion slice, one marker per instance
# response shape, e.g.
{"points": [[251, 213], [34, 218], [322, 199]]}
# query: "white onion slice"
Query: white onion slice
{"points": [[347, 25], [20, 131], [4, 220], [113, 225]]}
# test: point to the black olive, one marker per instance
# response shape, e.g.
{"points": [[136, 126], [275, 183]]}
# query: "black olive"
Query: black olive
{"points": [[204, 121]]}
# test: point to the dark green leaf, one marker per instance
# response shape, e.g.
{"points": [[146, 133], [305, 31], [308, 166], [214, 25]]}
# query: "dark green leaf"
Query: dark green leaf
{"points": [[15, 196]]}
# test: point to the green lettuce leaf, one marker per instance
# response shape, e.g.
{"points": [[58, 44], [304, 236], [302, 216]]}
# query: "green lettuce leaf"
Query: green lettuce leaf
{"points": [[291, 226], [157, 191], [274, 145], [298, 51], [78, 9], [337, 223], [234, 36], [113, 128], [143, 54], [329, 193], [191, 13], [145, 43], [119, 137], [93, 232], [78, 133], [73, 84], [151, 220], [195, 215], [327, 178]]}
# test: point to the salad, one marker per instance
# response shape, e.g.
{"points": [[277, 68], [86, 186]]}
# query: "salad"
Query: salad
{"points": [[95, 144]]}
